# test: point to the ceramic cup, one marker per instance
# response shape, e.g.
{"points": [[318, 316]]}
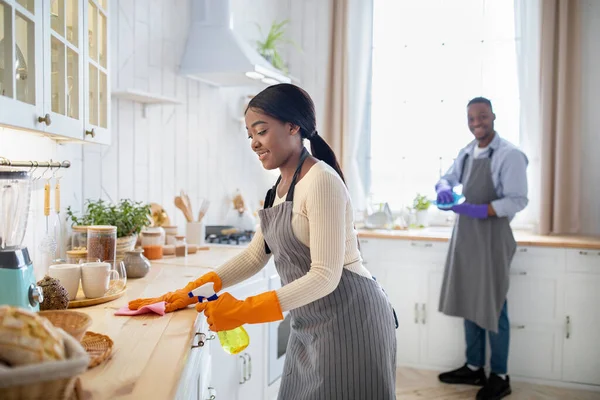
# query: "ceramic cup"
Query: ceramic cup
{"points": [[69, 276], [95, 278]]}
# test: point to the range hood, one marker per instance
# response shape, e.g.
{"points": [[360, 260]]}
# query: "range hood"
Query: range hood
{"points": [[217, 55]]}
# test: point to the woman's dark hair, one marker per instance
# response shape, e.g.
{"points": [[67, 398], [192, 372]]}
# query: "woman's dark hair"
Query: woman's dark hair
{"points": [[289, 103]]}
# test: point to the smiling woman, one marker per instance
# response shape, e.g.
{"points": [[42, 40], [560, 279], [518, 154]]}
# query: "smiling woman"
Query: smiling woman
{"points": [[307, 225]]}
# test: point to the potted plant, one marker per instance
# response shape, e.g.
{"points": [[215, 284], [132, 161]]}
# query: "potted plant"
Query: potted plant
{"points": [[269, 47], [129, 217], [421, 205]]}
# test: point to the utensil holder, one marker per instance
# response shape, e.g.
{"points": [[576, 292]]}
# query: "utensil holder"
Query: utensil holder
{"points": [[195, 233]]}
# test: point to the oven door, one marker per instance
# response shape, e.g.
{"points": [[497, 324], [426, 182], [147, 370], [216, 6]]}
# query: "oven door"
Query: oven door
{"points": [[279, 334]]}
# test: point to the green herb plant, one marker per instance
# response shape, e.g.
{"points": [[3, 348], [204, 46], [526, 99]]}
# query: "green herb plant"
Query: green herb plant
{"points": [[421, 203], [129, 217]]}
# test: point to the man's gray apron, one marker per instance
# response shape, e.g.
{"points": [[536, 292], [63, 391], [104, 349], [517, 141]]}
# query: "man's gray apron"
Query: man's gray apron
{"points": [[476, 275], [342, 346]]}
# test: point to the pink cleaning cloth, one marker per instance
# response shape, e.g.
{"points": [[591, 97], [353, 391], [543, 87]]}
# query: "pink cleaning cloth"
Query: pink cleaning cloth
{"points": [[157, 308]]}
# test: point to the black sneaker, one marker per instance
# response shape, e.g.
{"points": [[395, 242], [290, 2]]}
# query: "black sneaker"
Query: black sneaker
{"points": [[496, 388], [465, 376]]}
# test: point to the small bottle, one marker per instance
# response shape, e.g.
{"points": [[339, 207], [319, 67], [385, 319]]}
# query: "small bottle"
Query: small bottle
{"points": [[233, 341], [180, 246]]}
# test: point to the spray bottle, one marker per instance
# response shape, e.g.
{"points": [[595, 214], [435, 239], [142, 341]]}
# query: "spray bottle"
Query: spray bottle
{"points": [[233, 341]]}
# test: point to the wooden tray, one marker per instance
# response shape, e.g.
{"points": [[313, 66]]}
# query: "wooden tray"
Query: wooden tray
{"points": [[98, 346], [114, 292]]}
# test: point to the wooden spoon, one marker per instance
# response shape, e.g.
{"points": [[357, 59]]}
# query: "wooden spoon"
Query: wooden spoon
{"points": [[179, 203]]}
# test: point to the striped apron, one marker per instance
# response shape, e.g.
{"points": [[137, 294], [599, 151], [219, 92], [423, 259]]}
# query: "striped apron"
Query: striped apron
{"points": [[342, 346]]}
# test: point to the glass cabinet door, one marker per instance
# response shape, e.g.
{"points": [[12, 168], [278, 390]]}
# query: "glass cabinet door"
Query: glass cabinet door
{"points": [[21, 65], [97, 94], [63, 56]]}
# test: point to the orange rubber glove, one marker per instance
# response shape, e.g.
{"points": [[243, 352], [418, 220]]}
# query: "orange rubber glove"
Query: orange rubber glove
{"points": [[179, 299], [228, 313]]}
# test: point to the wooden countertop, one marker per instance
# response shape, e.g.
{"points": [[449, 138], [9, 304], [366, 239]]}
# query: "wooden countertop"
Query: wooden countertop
{"points": [[523, 238], [149, 351]]}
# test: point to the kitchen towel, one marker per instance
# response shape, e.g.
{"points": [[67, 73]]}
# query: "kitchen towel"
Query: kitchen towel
{"points": [[157, 308]]}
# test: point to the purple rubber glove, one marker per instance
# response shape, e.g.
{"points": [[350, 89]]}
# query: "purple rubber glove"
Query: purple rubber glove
{"points": [[479, 211], [444, 194]]}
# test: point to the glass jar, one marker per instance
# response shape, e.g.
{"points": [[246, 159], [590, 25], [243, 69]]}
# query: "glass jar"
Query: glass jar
{"points": [[171, 232], [79, 237], [73, 256], [152, 243], [102, 242], [180, 246]]}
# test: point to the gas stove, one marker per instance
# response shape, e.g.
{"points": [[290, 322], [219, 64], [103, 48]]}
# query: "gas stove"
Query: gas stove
{"points": [[222, 234]]}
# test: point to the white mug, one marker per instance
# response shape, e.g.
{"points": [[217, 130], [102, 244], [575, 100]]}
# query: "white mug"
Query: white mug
{"points": [[69, 276], [95, 278]]}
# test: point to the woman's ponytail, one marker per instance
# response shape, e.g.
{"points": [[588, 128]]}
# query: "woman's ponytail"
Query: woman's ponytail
{"points": [[321, 150]]}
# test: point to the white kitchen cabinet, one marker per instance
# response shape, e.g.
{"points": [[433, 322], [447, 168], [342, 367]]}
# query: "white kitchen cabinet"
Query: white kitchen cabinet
{"points": [[196, 373], [95, 72], [552, 301], [411, 273], [58, 50], [21, 64], [536, 313], [63, 67], [581, 356], [242, 376]]}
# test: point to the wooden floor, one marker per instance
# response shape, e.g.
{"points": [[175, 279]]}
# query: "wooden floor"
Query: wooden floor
{"points": [[412, 384]]}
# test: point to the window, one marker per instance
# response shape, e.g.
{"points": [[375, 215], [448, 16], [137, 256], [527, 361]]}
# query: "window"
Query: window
{"points": [[430, 57]]}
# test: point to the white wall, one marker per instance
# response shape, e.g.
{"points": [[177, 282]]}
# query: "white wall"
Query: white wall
{"points": [[590, 195], [19, 145], [196, 146]]}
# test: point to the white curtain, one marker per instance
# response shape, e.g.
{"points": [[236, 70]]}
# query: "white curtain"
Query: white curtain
{"points": [[527, 40], [356, 152]]}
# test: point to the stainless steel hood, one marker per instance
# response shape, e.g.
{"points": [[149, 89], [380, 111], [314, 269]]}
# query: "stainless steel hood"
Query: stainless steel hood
{"points": [[216, 54]]}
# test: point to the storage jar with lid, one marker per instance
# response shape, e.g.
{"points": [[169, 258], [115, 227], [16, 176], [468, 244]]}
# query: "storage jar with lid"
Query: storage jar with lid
{"points": [[102, 242], [79, 237], [152, 243]]}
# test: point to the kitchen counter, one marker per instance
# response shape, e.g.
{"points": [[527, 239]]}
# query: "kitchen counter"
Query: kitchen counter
{"points": [[149, 351], [523, 238]]}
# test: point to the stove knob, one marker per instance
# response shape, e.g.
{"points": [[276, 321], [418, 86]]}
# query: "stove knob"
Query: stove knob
{"points": [[36, 296]]}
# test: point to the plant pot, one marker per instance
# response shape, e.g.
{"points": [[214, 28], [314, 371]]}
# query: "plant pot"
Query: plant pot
{"points": [[125, 244], [422, 217]]}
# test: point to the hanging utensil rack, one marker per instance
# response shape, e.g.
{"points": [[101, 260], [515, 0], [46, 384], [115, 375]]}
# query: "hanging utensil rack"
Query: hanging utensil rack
{"points": [[5, 162]]}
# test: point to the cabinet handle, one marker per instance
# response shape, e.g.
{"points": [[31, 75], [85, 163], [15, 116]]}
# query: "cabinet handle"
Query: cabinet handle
{"points": [[46, 119], [518, 327], [416, 313], [243, 371], [91, 133], [522, 273], [415, 244], [212, 393], [568, 327], [249, 366], [424, 316], [523, 250], [201, 341]]}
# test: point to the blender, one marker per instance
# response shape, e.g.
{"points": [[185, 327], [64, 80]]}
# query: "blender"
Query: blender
{"points": [[17, 280]]}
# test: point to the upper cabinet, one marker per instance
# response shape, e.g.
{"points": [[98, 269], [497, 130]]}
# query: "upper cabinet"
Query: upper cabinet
{"points": [[21, 64], [97, 84], [54, 67]]}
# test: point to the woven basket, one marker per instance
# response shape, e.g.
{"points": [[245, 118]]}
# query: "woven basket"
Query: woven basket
{"points": [[52, 380], [75, 323], [98, 346], [125, 244]]}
